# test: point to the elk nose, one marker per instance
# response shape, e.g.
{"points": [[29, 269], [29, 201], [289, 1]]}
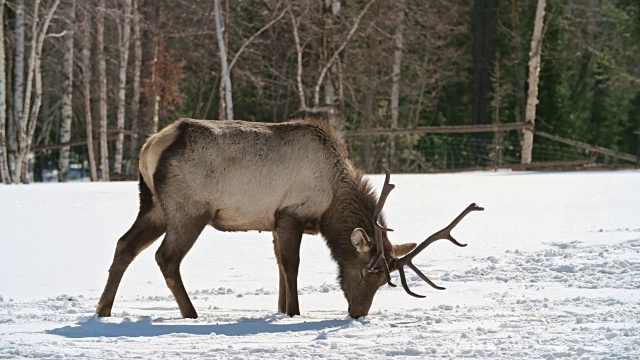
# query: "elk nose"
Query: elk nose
{"points": [[356, 314]]}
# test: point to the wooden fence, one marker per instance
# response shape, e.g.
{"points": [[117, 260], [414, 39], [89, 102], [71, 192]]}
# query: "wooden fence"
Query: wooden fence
{"points": [[589, 162]]}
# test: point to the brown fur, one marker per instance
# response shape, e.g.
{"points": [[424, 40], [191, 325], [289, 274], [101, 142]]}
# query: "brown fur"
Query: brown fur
{"points": [[289, 178]]}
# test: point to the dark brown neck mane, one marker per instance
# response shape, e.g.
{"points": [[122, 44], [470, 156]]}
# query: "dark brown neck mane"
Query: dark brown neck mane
{"points": [[352, 207]]}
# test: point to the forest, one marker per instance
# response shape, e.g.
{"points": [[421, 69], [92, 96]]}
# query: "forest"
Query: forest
{"points": [[84, 82]]}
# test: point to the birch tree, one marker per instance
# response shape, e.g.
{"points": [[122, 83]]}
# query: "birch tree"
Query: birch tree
{"points": [[34, 84], [86, 84], [18, 93], [534, 72], [155, 96], [102, 96], [517, 62], [398, 40], [137, 67], [5, 177], [158, 45], [123, 42], [67, 95], [338, 126], [224, 110], [226, 76], [331, 11]]}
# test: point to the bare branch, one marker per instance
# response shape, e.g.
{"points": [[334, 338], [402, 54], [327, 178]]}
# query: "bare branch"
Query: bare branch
{"points": [[249, 40], [61, 34], [323, 73]]}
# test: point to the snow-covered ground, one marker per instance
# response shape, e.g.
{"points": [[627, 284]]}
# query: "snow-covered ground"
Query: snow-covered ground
{"points": [[552, 271]]}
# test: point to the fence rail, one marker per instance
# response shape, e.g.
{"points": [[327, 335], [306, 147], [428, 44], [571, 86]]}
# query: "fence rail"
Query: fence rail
{"points": [[590, 160], [113, 135], [452, 129], [496, 146]]}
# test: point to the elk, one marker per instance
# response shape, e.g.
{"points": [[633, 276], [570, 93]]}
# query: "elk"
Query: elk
{"points": [[289, 178]]}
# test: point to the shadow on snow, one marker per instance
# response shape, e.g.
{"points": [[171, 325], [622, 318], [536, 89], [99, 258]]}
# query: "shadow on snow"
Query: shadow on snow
{"points": [[95, 327]]}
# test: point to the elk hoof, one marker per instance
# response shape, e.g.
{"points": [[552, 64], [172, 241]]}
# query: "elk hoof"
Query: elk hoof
{"points": [[190, 315], [103, 313]]}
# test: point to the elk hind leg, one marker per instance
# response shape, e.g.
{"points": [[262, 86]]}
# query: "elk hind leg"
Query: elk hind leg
{"points": [[180, 238], [147, 228]]}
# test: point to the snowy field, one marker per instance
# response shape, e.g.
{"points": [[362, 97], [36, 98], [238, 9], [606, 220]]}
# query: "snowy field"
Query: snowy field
{"points": [[552, 271]]}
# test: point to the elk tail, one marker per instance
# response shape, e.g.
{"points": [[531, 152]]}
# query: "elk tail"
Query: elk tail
{"points": [[146, 196], [150, 155]]}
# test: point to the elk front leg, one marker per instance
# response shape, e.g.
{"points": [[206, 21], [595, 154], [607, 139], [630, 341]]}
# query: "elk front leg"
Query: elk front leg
{"points": [[282, 287], [289, 236], [144, 231], [179, 239]]}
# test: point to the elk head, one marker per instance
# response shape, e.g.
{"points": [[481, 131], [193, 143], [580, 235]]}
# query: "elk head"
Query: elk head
{"points": [[376, 269]]}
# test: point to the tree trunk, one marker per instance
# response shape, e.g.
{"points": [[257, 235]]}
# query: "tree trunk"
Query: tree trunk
{"points": [[226, 76], [517, 60], [5, 177], [122, 86], [222, 105], [67, 96], [86, 82], [534, 72], [331, 10], [296, 38], [34, 74], [21, 173], [155, 101], [484, 48], [102, 81], [367, 142], [18, 94], [137, 67], [35, 110], [398, 40]]}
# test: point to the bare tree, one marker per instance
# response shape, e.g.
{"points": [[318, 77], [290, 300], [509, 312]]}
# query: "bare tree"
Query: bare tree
{"points": [[102, 96], [255, 35], [517, 61], [123, 42], [330, 11], [155, 96], [226, 76], [86, 82], [34, 83], [18, 94], [337, 122], [398, 39], [67, 95], [223, 110], [534, 72], [5, 177], [158, 43], [137, 67]]}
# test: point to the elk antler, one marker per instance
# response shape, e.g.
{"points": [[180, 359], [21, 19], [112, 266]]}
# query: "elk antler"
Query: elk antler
{"points": [[386, 189], [442, 234]]}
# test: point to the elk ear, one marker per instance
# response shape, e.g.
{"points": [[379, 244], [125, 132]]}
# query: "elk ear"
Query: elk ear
{"points": [[403, 249], [360, 240]]}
